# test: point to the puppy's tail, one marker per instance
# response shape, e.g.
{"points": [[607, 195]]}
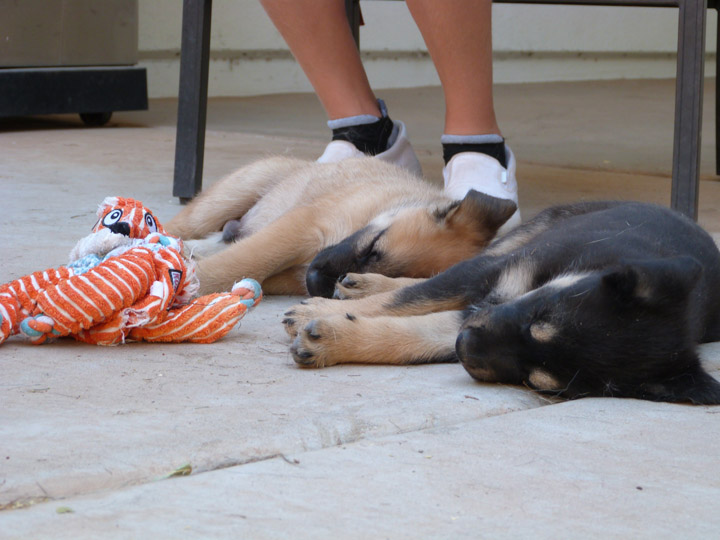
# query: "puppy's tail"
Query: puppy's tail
{"points": [[695, 386]]}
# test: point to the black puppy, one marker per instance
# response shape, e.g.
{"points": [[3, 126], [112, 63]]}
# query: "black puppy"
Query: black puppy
{"points": [[595, 299]]}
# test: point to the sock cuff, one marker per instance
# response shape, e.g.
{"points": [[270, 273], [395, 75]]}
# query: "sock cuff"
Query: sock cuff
{"points": [[359, 120], [488, 138]]}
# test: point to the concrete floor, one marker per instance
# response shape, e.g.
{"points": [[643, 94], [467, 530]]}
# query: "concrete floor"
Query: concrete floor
{"points": [[90, 437]]}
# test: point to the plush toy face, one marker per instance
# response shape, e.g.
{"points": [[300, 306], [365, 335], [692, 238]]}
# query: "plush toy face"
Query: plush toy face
{"points": [[127, 217]]}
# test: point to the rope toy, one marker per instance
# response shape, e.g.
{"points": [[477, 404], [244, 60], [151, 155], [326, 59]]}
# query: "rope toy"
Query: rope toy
{"points": [[127, 280]]}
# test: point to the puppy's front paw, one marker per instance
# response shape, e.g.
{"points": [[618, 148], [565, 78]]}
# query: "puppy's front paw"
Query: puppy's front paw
{"points": [[354, 286], [324, 342], [300, 314], [362, 285]]}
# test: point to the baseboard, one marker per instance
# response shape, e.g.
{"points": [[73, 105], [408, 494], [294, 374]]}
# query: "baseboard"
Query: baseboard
{"points": [[247, 73]]}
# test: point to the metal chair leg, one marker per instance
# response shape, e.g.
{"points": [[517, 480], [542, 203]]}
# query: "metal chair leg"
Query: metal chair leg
{"points": [[192, 99], [717, 96], [352, 9], [688, 106]]}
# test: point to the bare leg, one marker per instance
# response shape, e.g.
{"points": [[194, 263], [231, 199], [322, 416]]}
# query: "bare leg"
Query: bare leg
{"points": [[318, 34], [458, 35]]}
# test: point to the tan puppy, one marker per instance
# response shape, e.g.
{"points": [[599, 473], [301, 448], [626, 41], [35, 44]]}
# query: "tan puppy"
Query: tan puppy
{"points": [[270, 219]]}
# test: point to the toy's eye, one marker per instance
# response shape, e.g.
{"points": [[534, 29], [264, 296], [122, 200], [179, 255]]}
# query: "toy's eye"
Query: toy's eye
{"points": [[112, 218], [150, 222]]}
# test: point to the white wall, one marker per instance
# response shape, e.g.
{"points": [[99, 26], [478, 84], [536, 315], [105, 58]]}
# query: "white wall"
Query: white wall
{"points": [[531, 43]]}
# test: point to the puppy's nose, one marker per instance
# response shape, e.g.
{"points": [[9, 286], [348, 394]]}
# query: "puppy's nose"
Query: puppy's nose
{"points": [[489, 356], [465, 344], [319, 284]]}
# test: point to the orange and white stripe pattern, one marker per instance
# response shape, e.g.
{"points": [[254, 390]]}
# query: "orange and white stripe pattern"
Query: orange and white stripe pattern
{"points": [[205, 320], [152, 305], [18, 298], [21, 292], [77, 302], [129, 296]]}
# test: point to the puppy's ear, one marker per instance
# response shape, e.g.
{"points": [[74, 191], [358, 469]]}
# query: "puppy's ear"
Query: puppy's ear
{"points": [[654, 281], [480, 210]]}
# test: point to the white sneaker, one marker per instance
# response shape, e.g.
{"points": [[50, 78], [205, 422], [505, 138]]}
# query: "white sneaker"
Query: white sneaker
{"points": [[400, 153], [473, 170]]}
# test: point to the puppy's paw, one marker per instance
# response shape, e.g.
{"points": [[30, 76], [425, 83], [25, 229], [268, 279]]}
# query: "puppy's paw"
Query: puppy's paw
{"points": [[300, 314], [291, 323], [361, 285], [325, 342], [232, 231]]}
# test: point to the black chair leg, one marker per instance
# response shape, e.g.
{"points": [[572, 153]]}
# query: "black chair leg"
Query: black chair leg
{"points": [[352, 9], [192, 99], [717, 95], [688, 106]]}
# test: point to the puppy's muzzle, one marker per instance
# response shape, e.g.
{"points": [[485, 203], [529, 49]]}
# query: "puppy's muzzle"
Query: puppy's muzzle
{"points": [[319, 284]]}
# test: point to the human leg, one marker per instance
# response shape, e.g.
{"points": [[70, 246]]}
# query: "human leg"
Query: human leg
{"points": [[458, 36], [319, 37]]}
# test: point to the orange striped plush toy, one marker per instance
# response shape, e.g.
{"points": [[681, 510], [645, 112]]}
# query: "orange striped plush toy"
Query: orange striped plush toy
{"points": [[127, 280]]}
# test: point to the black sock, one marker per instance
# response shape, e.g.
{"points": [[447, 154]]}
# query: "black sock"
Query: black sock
{"points": [[495, 150], [370, 139]]}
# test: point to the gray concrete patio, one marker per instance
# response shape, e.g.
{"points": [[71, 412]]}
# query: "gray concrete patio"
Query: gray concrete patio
{"points": [[94, 441]]}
